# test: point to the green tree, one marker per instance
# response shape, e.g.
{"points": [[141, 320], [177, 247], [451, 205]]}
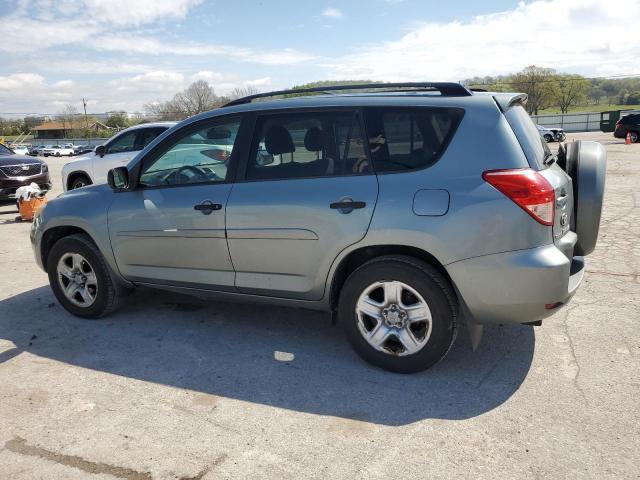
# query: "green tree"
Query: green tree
{"points": [[569, 91], [537, 83], [117, 120]]}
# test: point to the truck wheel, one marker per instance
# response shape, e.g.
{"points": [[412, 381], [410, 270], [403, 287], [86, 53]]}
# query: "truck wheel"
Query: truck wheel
{"points": [[80, 277], [548, 138], [399, 313], [80, 181]]}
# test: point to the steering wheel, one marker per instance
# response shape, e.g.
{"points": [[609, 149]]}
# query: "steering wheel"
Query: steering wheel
{"points": [[194, 173]]}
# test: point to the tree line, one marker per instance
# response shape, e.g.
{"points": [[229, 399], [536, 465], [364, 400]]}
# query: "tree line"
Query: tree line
{"points": [[548, 88]]}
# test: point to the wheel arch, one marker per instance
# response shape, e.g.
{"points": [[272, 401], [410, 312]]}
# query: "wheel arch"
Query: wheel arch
{"points": [[52, 235], [358, 257], [75, 174]]}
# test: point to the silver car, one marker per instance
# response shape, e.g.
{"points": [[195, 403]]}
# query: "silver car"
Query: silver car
{"points": [[405, 212]]}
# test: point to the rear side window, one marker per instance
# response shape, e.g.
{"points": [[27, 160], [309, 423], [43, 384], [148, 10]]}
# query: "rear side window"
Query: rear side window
{"points": [[409, 139], [146, 136], [306, 145], [534, 146]]}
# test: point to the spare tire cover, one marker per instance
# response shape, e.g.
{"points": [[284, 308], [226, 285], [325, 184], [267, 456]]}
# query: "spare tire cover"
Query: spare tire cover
{"points": [[586, 163]]}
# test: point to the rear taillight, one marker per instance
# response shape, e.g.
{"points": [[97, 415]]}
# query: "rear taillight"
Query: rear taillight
{"points": [[528, 189]]}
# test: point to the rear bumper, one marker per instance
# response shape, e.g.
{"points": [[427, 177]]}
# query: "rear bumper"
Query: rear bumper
{"points": [[516, 287]]}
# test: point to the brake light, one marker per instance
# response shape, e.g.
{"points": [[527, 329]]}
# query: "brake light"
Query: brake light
{"points": [[528, 189]]}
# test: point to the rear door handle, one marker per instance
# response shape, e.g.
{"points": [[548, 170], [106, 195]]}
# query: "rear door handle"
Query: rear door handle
{"points": [[207, 207], [347, 205]]}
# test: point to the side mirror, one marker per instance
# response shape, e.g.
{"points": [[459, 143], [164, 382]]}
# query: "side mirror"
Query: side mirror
{"points": [[118, 179], [100, 150]]}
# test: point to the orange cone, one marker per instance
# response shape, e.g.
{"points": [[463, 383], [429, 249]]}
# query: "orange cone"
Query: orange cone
{"points": [[627, 141]]}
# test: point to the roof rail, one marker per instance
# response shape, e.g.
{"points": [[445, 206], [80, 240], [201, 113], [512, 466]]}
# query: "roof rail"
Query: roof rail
{"points": [[447, 89]]}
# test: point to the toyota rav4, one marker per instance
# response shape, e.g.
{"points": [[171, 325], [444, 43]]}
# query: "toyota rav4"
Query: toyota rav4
{"points": [[404, 210]]}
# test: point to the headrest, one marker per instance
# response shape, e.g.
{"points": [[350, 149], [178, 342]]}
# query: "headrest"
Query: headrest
{"points": [[314, 139], [277, 140]]}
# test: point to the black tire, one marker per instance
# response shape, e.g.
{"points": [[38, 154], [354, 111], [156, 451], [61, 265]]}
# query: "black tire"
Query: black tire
{"points": [[429, 283], [548, 138], [80, 181], [108, 292], [635, 136]]}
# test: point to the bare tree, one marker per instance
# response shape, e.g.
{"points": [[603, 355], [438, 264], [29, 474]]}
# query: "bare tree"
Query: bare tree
{"points": [[67, 117], [196, 98], [240, 92], [537, 83]]}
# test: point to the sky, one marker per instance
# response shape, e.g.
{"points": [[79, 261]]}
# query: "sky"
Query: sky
{"points": [[122, 54]]}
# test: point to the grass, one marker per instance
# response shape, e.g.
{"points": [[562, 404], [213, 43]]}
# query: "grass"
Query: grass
{"points": [[603, 107]]}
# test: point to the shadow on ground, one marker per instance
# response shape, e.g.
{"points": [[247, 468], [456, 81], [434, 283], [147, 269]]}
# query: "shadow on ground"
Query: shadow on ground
{"points": [[230, 350]]}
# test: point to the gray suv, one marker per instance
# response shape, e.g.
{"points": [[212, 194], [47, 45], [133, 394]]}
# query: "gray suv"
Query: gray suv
{"points": [[403, 209]]}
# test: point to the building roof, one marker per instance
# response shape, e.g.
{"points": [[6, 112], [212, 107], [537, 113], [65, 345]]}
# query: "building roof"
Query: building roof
{"points": [[51, 126]]}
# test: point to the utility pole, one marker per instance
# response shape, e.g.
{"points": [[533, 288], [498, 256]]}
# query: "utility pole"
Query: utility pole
{"points": [[86, 120]]}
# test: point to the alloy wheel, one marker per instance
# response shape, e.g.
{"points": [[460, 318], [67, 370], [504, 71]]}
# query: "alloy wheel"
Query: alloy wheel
{"points": [[77, 279], [393, 318]]}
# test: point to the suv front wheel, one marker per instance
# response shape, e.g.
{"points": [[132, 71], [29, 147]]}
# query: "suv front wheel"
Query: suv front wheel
{"points": [[80, 278], [399, 313]]}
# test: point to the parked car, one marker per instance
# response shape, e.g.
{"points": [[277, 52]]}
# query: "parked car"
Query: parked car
{"points": [[82, 149], [628, 124], [36, 150], [20, 149], [57, 151], [403, 214], [18, 170], [551, 134], [118, 151]]}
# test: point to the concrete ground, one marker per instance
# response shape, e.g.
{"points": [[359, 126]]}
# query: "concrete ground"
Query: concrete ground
{"points": [[171, 387]]}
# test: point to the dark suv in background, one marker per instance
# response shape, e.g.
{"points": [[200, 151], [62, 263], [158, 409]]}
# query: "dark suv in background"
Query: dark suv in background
{"points": [[629, 123], [19, 170]]}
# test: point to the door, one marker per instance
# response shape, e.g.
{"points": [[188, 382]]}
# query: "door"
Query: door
{"points": [[119, 151], [171, 228], [308, 192]]}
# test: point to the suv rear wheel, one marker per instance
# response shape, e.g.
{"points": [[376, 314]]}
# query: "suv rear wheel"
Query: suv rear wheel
{"points": [[399, 313], [634, 136], [80, 278]]}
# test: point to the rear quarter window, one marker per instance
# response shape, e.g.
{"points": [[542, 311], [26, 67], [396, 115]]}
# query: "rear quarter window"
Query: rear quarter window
{"points": [[402, 139], [532, 143]]}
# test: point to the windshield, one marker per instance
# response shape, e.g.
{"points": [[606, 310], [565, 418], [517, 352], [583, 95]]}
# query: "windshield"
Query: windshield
{"points": [[533, 145], [4, 150]]}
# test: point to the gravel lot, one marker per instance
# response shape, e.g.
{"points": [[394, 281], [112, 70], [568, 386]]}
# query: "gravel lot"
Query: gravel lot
{"points": [[172, 387]]}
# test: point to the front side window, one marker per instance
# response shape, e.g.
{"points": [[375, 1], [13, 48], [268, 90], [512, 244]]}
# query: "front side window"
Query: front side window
{"points": [[123, 143], [307, 145], [409, 139], [197, 156], [146, 136]]}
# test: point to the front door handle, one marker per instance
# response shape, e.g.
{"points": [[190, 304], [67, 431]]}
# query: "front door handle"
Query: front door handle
{"points": [[347, 205], [207, 207]]}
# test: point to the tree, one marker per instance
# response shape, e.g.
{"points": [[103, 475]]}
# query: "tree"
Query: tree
{"points": [[117, 120], [240, 92], [196, 98], [67, 116], [570, 90], [537, 83], [596, 93]]}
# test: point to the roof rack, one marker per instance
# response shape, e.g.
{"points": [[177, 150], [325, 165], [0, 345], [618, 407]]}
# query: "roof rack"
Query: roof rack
{"points": [[447, 89]]}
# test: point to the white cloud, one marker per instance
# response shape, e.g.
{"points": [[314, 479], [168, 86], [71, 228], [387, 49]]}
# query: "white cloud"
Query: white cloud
{"points": [[213, 77], [258, 82], [34, 87], [152, 82], [569, 35], [333, 13]]}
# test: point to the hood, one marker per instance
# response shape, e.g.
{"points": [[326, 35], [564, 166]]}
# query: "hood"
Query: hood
{"points": [[18, 160]]}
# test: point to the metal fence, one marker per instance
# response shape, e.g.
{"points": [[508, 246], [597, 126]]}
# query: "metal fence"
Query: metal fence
{"points": [[570, 122], [63, 141]]}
